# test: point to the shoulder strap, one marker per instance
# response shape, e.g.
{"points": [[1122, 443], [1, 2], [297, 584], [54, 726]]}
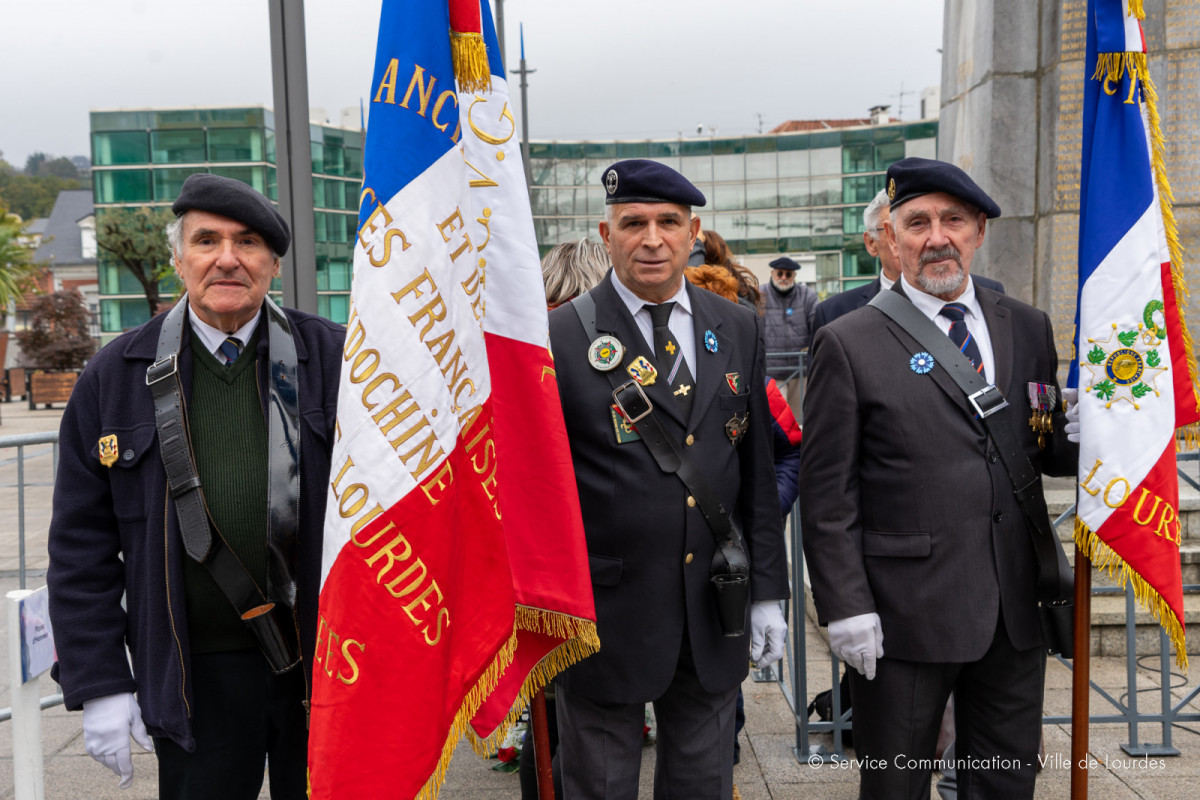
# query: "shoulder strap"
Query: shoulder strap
{"points": [[1054, 574], [637, 408]]}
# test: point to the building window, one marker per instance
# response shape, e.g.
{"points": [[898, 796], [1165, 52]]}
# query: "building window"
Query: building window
{"points": [[113, 149], [235, 145], [121, 186], [177, 147]]}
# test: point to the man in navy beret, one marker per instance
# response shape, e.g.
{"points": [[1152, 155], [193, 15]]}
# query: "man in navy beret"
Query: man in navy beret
{"points": [[788, 321], [687, 370], [248, 389], [920, 558]]}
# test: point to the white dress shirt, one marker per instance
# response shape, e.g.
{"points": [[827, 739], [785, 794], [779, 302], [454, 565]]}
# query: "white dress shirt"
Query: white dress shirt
{"points": [[213, 338], [680, 324], [931, 307]]}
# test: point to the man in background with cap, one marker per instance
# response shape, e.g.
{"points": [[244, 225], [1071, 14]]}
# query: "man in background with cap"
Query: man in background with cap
{"points": [[250, 391], [788, 318], [649, 367], [919, 555], [875, 216]]}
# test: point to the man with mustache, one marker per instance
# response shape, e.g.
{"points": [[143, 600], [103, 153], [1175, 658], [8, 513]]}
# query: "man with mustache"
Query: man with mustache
{"points": [[918, 552], [183, 527]]}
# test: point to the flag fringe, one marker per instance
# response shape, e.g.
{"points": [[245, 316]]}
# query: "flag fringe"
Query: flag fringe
{"points": [[1104, 557], [1136, 9], [580, 641], [471, 68]]}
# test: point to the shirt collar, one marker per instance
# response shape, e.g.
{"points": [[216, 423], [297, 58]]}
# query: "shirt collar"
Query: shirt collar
{"points": [[931, 306], [885, 283], [212, 337], [635, 303]]}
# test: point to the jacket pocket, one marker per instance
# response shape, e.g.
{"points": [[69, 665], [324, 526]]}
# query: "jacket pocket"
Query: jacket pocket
{"points": [[127, 474], [879, 543], [735, 402], [606, 570]]}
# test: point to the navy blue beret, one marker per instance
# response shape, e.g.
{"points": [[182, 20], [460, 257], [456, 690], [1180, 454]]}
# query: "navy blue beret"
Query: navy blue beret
{"points": [[234, 199], [640, 181], [910, 178], [784, 263]]}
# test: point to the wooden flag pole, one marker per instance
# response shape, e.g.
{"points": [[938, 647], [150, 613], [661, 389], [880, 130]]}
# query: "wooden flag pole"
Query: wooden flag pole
{"points": [[541, 746], [1080, 677]]}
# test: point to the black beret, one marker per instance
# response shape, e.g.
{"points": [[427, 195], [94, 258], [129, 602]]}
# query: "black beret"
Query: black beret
{"points": [[784, 263], [640, 181], [910, 178], [234, 199]]}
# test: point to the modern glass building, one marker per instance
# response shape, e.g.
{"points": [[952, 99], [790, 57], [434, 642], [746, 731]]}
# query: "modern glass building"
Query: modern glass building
{"points": [[141, 158], [795, 194]]}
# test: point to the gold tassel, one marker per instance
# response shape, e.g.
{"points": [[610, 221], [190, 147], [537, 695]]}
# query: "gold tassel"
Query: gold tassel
{"points": [[1104, 557], [471, 68], [1136, 9]]}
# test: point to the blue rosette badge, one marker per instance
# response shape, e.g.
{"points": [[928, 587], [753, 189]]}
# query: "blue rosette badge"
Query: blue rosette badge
{"points": [[921, 363]]}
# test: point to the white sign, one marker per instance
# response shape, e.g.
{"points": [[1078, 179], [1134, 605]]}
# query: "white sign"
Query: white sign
{"points": [[37, 639]]}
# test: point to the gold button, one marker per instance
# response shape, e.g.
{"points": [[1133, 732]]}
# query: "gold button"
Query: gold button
{"points": [[690, 440], [691, 501], [688, 560]]}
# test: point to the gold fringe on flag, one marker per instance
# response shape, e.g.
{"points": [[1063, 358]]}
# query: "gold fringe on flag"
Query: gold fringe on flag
{"points": [[1136, 10], [580, 641], [471, 68], [1104, 557]]}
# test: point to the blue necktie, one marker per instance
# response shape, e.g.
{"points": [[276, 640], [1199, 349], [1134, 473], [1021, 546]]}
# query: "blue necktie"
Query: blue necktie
{"points": [[230, 348], [956, 313]]}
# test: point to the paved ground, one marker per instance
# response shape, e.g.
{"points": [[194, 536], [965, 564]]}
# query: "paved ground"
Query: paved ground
{"points": [[769, 768]]}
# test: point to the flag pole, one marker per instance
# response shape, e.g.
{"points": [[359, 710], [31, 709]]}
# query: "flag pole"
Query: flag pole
{"points": [[1080, 677], [541, 746]]}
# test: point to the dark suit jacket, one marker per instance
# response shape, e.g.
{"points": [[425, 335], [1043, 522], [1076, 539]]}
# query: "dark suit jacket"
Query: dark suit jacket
{"points": [[649, 551], [907, 510], [841, 303]]}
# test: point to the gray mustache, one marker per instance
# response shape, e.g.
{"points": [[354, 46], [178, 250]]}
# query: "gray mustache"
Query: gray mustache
{"points": [[949, 251]]}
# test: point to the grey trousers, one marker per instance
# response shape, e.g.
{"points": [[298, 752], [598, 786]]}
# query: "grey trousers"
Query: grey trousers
{"points": [[600, 743]]}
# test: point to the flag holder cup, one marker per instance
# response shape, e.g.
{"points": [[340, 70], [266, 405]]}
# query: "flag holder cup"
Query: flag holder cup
{"points": [[730, 577]]}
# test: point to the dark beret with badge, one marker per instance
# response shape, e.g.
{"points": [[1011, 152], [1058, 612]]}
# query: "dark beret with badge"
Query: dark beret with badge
{"points": [[231, 198], [783, 262], [910, 178], [638, 180]]}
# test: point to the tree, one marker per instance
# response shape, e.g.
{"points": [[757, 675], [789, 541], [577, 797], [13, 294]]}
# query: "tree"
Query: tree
{"points": [[134, 237], [41, 165], [57, 337], [17, 269], [32, 196]]}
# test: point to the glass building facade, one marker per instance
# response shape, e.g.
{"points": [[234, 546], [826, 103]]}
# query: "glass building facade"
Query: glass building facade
{"points": [[795, 194], [142, 157]]}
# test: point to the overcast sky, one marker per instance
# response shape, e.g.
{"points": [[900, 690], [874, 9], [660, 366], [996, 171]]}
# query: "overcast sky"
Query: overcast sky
{"points": [[609, 69]]}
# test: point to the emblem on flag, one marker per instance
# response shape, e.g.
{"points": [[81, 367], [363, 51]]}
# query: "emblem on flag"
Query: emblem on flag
{"points": [[1127, 369], [108, 449]]}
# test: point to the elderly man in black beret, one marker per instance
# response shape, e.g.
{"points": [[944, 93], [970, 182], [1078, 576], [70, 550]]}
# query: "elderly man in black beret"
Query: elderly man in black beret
{"points": [[788, 316], [184, 529], [922, 562], [663, 394]]}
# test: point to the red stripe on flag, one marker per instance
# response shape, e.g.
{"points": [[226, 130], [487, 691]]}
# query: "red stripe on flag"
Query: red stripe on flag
{"points": [[1187, 407]]}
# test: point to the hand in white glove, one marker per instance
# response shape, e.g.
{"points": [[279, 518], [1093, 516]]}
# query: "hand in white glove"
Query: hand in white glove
{"points": [[108, 722], [768, 633], [1071, 398], [858, 641]]}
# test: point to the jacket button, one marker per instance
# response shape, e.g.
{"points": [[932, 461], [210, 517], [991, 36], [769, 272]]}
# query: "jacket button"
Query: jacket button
{"points": [[688, 558], [992, 458], [691, 501], [998, 516], [690, 440], [127, 455]]}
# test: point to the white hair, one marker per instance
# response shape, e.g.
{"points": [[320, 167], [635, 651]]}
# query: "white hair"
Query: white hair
{"points": [[871, 214]]}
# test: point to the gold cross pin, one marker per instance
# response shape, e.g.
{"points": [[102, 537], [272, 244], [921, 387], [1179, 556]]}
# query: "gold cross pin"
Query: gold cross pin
{"points": [[670, 348], [683, 389]]}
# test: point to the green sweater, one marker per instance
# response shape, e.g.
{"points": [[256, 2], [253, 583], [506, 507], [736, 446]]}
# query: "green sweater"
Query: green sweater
{"points": [[229, 441]]}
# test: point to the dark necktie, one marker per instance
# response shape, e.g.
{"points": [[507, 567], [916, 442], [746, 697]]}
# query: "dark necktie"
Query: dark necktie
{"points": [[956, 313], [669, 356], [230, 348]]}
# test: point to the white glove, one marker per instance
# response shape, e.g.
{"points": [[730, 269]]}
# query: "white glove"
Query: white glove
{"points": [[768, 633], [858, 641], [108, 722], [1071, 398]]}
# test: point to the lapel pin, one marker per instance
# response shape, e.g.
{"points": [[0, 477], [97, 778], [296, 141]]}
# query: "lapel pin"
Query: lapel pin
{"points": [[642, 371], [734, 381], [108, 449], [921, 363], [710, 341], [605, 353]]}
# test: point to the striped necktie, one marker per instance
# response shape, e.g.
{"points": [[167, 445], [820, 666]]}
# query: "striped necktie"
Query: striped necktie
{"points": [[670, 356], [230, 348], [956, 313]]}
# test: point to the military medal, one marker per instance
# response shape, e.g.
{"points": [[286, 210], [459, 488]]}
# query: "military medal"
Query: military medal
{"points": [[921, 363], [683, 389], [623, 428], [1042, 400], [736, 427], [605, 353], [734, 381], [642, 371], [108, 449], [710, 341]]}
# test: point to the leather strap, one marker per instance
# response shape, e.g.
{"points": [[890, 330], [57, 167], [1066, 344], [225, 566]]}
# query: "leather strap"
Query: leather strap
{"points": [[183, 481], [638, 409], [1054, 573]]}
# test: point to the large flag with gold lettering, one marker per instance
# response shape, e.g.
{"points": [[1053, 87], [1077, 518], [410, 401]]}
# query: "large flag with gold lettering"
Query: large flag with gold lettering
{"points": [[454, 580], [1134, 365]]}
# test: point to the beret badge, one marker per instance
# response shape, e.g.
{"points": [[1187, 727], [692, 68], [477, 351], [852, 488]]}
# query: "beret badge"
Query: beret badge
{"points": [[610, 181], [891, 189]]}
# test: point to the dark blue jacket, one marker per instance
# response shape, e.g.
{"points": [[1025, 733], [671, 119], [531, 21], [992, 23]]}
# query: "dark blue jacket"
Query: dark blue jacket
{"points": [[114, 530]]}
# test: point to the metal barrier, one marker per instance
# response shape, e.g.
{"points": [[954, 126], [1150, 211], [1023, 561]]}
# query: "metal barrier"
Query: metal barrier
{"points": [[1128, 712]]}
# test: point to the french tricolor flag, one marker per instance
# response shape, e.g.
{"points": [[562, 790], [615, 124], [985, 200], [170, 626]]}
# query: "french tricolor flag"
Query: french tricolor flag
{"points": [[1133, 366], [454, 580]]}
